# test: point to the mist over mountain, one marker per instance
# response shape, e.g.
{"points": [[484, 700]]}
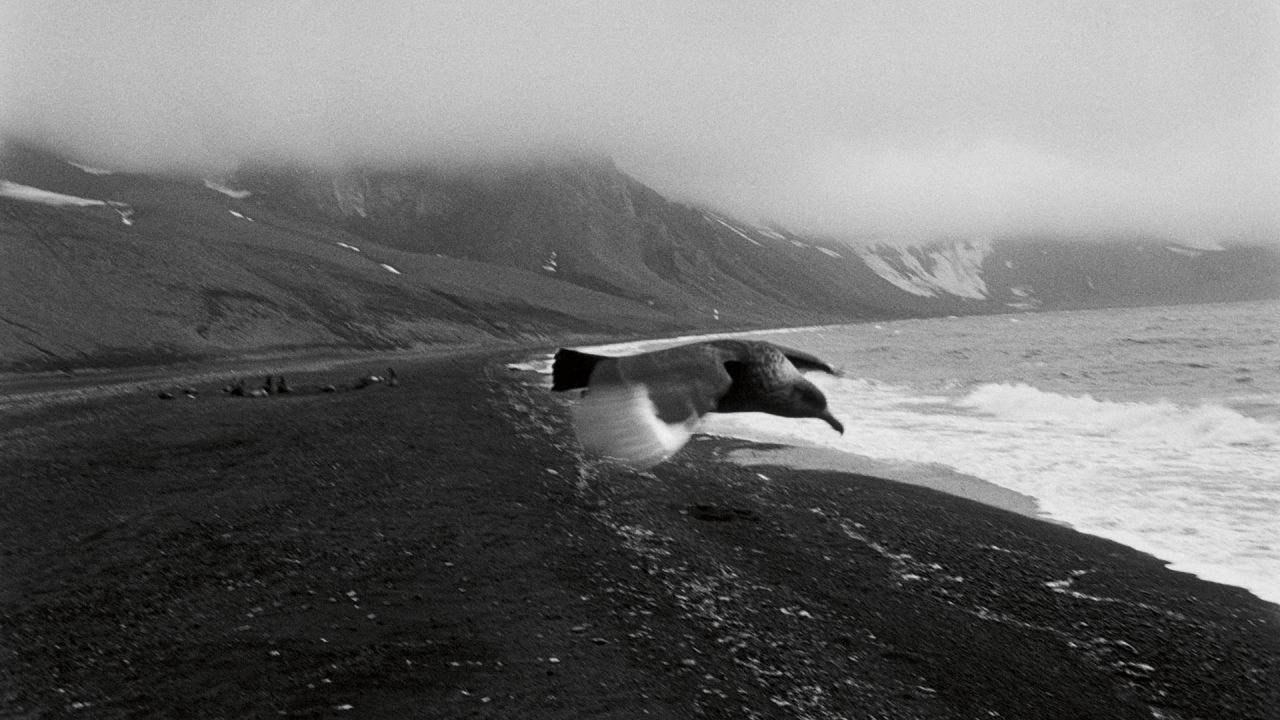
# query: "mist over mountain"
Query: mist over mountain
{"points": [[99, 267], [859, 120]]}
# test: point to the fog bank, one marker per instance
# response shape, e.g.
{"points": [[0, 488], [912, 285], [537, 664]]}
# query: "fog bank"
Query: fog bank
{"points": [[861, 119]]}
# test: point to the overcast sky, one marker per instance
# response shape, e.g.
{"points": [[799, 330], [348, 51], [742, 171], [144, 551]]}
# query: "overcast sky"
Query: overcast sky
{"points": [[892, 118]]}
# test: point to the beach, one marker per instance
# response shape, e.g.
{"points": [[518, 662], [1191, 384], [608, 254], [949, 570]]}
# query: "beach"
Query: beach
{"points": [[441, 549]]}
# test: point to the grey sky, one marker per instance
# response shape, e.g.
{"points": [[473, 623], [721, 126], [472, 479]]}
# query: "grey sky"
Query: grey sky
{"points": [[859, 118]]}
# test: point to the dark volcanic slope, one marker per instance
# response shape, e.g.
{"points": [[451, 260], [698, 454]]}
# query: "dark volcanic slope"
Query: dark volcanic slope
{"points": [[585, 223], [438, 549], [157, 268], [166, 268], [194, 272]]}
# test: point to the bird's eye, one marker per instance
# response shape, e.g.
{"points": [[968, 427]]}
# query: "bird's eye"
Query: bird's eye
{"points": [[808, 396]]}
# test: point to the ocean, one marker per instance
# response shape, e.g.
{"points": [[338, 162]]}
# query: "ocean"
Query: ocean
{"points": [[1156, 427]]}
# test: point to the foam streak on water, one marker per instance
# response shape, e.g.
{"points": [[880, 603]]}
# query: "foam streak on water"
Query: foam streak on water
{"points": [[1155, 427]]}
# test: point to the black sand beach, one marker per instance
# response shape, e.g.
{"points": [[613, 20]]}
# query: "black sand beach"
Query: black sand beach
{"points": [[438, 549]]}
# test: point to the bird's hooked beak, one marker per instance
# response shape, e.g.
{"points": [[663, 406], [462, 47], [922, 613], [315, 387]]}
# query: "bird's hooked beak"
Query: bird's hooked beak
{"points": [[832, 421]]}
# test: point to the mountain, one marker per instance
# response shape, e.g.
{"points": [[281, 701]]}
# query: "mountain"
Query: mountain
{"points": [[104, 268], [1054, 274]]}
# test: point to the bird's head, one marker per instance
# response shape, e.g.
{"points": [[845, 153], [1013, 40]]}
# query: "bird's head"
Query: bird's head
{"points": [[806, 400]]}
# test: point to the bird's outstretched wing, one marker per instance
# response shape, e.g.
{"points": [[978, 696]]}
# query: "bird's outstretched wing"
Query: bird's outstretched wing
{"points": [[621, 422], [804, 361], [640, 410]]}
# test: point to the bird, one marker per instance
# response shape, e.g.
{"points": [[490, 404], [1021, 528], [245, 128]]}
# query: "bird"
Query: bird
{"points": [[641, 409]]}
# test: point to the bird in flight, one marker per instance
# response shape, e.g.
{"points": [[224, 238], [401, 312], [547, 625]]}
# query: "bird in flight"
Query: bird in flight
{"points": [[640, 409]]}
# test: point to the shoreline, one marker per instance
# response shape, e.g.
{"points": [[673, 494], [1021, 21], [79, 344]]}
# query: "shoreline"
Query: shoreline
{"points": [[443, 545], [948, 481], [1125, 586], [1160, 509], [943, 479], [39, 391]]}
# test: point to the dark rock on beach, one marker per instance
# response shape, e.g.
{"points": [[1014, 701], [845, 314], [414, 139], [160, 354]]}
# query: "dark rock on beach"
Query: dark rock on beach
{"points": [[443, 551]]}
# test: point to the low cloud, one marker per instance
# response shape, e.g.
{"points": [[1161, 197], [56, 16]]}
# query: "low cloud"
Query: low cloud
{"points": [[862, 120]]}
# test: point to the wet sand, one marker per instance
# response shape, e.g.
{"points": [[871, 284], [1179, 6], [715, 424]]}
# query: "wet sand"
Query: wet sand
{"points": [[938, 478], [439, 549]]}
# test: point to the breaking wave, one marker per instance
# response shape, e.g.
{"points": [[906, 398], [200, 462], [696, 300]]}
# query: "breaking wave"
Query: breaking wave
{"points": [[1199, 426]]}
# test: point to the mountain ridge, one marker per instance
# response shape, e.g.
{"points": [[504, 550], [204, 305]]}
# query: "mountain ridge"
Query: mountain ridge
{"points": [[101, 268]]}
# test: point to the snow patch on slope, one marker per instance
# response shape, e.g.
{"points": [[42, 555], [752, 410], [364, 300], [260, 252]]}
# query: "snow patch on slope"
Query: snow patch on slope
{"points": [[1025, 299], [1189, 252], [712, 217], [27, 193], [349, 194], [90, 169], [825, 251], [952, 269], [229, 192], [770, 232], [390, 269]]}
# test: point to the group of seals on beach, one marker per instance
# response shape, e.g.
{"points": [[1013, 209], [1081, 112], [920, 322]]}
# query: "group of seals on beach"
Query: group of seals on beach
{"points": [[271, 385], [389, 377], [278, 385]]}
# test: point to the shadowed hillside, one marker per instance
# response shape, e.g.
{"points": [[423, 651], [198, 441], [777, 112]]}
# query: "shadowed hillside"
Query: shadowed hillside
{"points": [[105, 268]]}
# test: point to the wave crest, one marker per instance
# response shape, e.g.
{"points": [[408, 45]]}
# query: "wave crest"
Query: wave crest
{"points": [[1200, 425]]}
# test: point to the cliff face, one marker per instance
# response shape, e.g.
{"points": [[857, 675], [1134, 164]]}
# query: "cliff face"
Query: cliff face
{"points": [[1068, 275], [586, 224], [1018, 274], [100, 267], [592, 226], [133, 268]]}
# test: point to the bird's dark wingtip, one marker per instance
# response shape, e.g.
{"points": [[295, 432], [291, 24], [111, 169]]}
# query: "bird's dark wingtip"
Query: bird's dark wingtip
{"points": [[571, 369], [804, 361]]}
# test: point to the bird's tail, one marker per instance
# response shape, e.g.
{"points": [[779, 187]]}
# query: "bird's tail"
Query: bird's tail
{"points": [[572, 369]]}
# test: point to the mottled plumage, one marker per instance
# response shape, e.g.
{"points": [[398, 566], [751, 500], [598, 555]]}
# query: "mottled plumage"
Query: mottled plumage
{"points": [[640, 409]]}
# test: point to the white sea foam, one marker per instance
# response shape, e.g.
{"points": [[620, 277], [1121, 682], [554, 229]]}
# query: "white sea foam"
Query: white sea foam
{"points": [[1164, 422], [1175, 482], [637, 346]]}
